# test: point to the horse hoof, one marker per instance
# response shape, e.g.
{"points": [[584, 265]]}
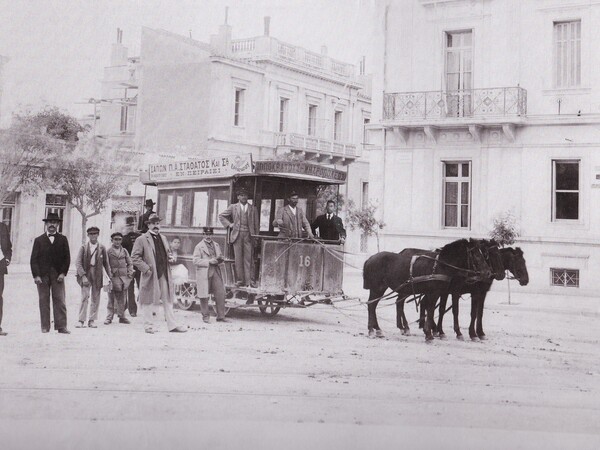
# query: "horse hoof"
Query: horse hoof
{"points": [[379, 334], [473, 338], [436, 334], [460, 337], [482, 337], [428, 338], [405, 332], [442, 335]]}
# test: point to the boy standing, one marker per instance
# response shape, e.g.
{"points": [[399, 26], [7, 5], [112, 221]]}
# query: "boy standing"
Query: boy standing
{"points": [[90, 260], [121, 274]]}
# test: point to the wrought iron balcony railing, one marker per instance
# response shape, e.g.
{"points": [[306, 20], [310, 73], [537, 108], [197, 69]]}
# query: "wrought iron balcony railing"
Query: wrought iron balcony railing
{"points": [[490, 102], [326, 147]]}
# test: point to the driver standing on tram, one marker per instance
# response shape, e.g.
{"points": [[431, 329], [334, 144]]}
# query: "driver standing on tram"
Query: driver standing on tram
{"points": [[291, 219]]}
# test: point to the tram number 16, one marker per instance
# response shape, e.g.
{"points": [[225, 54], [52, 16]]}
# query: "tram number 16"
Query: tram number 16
{"points": [[304, 261]]}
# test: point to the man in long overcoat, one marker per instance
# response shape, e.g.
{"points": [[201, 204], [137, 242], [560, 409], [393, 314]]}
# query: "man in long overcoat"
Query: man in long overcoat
{"points": [[151, 256], [208, 260], [5, 257], [291, 219], [90, 261], [242, 219], [50, 261]]}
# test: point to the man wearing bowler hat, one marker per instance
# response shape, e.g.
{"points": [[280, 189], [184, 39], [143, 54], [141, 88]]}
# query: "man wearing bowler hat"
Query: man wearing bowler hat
{"points": [[208, 260], [50, 260], [151, 255], [129, 237], [241, 218], [142, 224]]}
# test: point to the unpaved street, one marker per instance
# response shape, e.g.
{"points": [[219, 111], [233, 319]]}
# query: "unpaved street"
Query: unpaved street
{"points": [[304, 379]]}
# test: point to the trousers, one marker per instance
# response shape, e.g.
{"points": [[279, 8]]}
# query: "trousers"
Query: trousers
{"points": [[242, 248], [150, 312], [116, 299], [130, 303], [217, 289], [93, 291], [51, 287], [1, 299]]}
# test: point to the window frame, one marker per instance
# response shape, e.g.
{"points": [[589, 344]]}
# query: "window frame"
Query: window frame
{"points": [[312, 122], [239, 103], [576, 277], [338, 118], [284, 107], [574, 49], [459, 180], [554, 190], [463, 96]]}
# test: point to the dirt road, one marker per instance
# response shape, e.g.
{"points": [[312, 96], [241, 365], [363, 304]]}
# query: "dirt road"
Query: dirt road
{"points": [[304, 379]]}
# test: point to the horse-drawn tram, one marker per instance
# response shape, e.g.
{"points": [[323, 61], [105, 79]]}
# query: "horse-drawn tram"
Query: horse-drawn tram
{"points": [[287, 272]]}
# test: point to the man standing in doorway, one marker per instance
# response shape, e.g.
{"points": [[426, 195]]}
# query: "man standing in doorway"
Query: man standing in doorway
{"points": [[129, 237], [5, 256], [241, 221], [90, 261], [291, 219], [151, 255], [50, 261], [330, 225], [143, 222]]}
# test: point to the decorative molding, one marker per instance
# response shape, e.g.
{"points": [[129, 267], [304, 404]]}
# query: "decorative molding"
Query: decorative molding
{"points": [[475, 131], [403, 133], [431, 132], [509, 131]]}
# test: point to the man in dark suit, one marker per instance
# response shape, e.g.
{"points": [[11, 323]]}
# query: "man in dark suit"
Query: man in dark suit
{"points": [[242, 219], [143, 222], [330, 226], [5, 256], [50, 260], [129, 237]]}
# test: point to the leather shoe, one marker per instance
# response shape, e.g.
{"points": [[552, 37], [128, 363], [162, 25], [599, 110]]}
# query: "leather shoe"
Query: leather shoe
{"points": [[223, 320], [45, 330], [3, 333], [206, 319], [91, 324], [107, 322], [179, 329], [63, 331], [133, 315], [80, 325], [124, 320]]}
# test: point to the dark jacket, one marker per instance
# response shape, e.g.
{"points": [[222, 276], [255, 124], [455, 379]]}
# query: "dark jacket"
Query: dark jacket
{"points": [[46, 255], [142, 226], [128, 241], [331, 230], [6, 247]]}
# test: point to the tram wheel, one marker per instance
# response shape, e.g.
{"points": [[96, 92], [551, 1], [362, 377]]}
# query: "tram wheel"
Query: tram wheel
{"points": [[185, 302], [268, 307]]}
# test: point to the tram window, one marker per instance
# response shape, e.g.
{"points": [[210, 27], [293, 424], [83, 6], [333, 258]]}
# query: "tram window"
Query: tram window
{"points": [[219, 202], [178, 210], [200, 208], [169, 210], [265, 214]]}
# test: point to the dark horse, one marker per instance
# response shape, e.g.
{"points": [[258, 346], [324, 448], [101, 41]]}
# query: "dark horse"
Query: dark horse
{"points": [[513, 261], [403, 274]]}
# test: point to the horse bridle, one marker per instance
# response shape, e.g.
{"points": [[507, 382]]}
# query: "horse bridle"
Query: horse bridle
{"points": [[471, 274]]}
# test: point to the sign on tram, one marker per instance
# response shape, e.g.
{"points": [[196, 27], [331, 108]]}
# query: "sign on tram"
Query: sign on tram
{"points": [[216, 167]]}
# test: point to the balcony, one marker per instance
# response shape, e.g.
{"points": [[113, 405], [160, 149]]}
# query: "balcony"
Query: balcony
{"points": [[487, 104], [267, 48], [315, 148]]}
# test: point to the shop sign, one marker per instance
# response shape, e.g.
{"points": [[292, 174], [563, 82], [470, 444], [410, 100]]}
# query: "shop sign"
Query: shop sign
{"points": [[201, 168], [299, 167]]}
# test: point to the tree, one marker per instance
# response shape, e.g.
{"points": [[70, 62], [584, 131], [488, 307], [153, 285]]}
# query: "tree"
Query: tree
{"points": [[505, 232], [52, 122], [89, 176], [364, 219], [326, 192]]}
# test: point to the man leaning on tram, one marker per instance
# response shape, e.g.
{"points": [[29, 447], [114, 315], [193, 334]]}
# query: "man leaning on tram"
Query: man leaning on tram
{"points": [[291, 219]]}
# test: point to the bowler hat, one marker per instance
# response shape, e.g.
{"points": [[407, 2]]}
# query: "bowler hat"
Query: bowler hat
{"points": [[52, 216], [95, 230], [130, 221], [153, 218], [149, 202], [242, 191], [208, 230]]}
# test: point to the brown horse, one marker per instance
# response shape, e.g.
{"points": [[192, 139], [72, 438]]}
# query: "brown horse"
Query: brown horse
{"points": [[417, 273]]}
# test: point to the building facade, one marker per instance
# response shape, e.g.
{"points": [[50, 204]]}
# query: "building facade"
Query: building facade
{"points": [[485, 108], [260, 96]]}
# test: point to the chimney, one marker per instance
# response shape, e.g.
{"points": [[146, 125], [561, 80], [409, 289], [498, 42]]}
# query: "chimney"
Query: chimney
{"points": [[362, 65], [118, 54], [324, 50], [119, 36], [267, 25]]}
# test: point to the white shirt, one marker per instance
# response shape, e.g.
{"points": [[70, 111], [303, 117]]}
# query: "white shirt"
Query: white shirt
{"points": [[244, 207], [329, 216], [293, 210], [51, 237], [93, 250]]}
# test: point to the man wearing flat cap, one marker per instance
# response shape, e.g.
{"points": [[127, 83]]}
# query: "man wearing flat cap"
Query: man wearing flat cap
{"points": [[151, 255], [241, 221], [208, 260], [143, 222], [50, 261], [91, 259]]}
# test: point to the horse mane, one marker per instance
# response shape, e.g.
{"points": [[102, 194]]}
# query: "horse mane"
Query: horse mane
{"points": [[453, 247]]}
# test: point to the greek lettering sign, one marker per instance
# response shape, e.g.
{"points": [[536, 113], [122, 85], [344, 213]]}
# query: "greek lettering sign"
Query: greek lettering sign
{"points": [[201, 168], [300, 167]]}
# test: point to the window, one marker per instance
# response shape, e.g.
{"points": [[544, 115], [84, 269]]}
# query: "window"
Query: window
{"points": [[337, 126], [128, 110], [208, 204], [564, 277], [283, 114], [565, 190], [56, 204], [457, 194], [459, 73], [6, 211], [200, 208], [312, 120], [174, 207], [238, 111], [567, 54], [366, 121]]}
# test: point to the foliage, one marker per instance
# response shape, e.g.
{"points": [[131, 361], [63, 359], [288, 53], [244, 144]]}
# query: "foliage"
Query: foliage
{"points": [[90, 175], [52, 122], [329, 192], [505, 229], [364, 219]]}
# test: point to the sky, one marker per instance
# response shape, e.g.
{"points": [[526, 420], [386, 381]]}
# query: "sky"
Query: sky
{"points": [[57, 49]]}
